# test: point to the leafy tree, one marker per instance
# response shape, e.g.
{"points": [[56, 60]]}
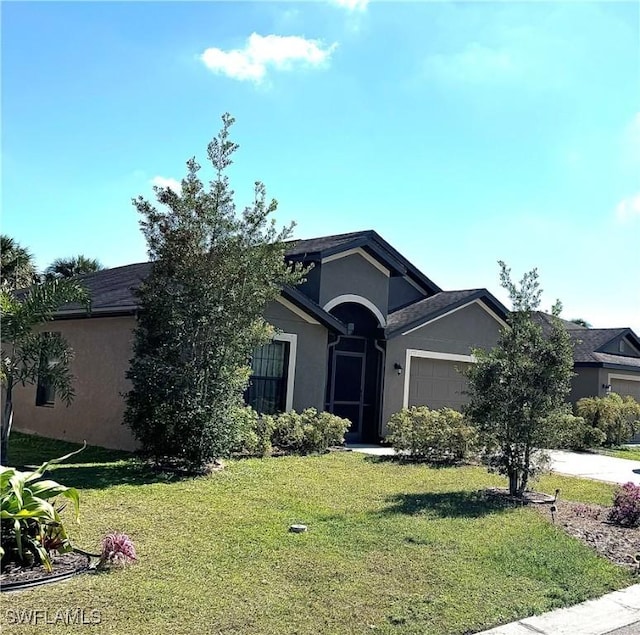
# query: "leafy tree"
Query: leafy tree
{"points": [[615, 416], [213, 273], [581, 322], [517, 387], [16, 264], [30, 354], [69, 267]]}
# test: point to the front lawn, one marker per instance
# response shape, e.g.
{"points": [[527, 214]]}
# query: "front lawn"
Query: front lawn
{"points": [[391, 548], [623, 453]]}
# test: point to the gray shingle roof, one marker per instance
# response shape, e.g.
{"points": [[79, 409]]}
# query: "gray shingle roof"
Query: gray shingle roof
{"points": [[324, 243], [546, 320], [113, 291], [588, 341], [621, 360]]}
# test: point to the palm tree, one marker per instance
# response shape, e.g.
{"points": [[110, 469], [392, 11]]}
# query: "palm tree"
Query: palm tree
{"points": [[69, 267], [29, 354], [17, 269]]}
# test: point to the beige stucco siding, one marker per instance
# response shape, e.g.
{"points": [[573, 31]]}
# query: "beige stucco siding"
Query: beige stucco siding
{"points": [[102, 348], [457, 333], [311, 357]]}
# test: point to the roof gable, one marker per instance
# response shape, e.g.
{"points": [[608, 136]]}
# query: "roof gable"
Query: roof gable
{"points": [[589, 344], [317, 249], [424, 311]]}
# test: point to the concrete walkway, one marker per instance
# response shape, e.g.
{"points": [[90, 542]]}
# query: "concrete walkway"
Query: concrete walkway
{"points": [[616, 613], [595, 466]]}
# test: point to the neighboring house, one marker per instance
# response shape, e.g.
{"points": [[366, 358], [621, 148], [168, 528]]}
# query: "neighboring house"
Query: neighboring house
{"points": [[364, 336], [605, 360]]}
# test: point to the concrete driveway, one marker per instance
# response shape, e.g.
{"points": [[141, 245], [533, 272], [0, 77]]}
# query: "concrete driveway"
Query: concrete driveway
{"points": [[595, 466]]}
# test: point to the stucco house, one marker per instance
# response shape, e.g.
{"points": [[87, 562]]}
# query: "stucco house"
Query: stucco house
{"points": [[365, 335]]}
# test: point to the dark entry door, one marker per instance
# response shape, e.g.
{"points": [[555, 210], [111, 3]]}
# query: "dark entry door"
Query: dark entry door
{"points": [[347, 389]]}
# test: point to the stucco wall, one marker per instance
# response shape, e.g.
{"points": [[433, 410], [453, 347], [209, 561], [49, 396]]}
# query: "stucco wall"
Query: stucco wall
{"points": [[311, 358], [457, 333], [102, 348], [353, 274], [586, 383], [402, 293]]}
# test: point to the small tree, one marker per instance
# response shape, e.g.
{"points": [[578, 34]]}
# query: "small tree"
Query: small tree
{"points": [[213, 273], [69, 267], [517, 386], [30, 355]]}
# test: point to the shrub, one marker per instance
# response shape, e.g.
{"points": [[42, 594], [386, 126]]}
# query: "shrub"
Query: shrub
{"points": [[617, 417], [117, 550], [434, 435], [567, 431], [626, 506], [31, 524], [254, 432], [306, 432]]}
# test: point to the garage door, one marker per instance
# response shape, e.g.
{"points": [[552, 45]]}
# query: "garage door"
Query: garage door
{"points": [[437, 383], [626, 387]]}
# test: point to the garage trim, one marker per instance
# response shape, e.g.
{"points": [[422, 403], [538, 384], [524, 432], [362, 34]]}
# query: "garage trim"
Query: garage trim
{"points": [[414, 352], [625, 377]]}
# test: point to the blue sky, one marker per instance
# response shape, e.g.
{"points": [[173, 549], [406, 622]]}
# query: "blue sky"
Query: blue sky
{"points": [[463, 133]]}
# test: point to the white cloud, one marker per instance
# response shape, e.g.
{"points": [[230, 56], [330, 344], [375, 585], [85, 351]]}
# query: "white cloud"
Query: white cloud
{"points": [[161, 181], [352, 5], [628, 208], [474, 64], [261, 52]]}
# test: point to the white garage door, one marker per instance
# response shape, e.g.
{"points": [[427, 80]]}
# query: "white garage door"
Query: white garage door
{"points": [[437, 383], [626, 387]]}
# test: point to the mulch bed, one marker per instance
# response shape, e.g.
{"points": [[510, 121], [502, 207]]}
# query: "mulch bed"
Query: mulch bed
{"points": [[65, 565], [589, 524]]}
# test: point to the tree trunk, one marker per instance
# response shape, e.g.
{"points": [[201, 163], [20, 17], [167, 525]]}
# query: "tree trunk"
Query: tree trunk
{"points": [[513, 481], [7, 420]]}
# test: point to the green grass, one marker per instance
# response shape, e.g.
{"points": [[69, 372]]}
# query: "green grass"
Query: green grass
{"points": [[623, 453], [391, 548]]}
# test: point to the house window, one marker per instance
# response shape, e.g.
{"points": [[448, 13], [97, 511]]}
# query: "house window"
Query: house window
{"points": [[45, 391], [271, 382]]}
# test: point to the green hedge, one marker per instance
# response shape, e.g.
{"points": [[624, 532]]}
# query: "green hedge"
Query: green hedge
{"points": [[291, 432], [441, 436]]}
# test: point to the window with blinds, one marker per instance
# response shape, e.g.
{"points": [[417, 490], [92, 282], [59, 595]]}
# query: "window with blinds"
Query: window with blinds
{"points": [[267, 391]]}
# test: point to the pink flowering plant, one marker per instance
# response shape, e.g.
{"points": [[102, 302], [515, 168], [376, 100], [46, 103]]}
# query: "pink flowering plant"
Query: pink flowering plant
{"points": [[626, 506], [117, 550]]}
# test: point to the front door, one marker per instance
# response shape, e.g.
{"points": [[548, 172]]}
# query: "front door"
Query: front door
{"points": [[347, 389]]}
